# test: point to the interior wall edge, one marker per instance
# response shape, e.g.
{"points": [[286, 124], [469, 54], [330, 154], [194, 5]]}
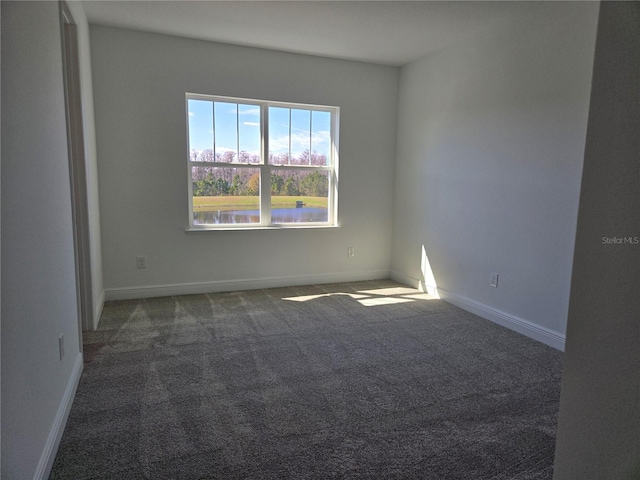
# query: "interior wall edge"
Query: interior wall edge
{"points": [[405, 279]]}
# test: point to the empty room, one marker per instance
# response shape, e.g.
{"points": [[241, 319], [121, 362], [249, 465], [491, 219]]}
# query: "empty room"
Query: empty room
{"points": [[325, 239]]}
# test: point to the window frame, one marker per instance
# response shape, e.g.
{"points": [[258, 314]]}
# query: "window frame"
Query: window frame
{"points": [[265, 168]]}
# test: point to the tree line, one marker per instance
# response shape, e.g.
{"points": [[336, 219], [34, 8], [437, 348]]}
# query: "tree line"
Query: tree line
{"points": [[216, 181], [213, 181], [304, 158]]}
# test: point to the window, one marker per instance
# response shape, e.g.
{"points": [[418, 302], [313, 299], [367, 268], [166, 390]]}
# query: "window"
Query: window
{"points": [[256, 163]]}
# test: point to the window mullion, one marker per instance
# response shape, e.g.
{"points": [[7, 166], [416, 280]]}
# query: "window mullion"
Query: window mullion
{"points": [[213, 133], [238, 132], [310, 135], [302, 168], [289, 156], [265, 170], [333, 162]]}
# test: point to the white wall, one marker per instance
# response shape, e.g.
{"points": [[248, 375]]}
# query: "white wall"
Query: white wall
{"points": [[91, 161], [139, 84], [38, 274], [599, 424], [491, 136]]}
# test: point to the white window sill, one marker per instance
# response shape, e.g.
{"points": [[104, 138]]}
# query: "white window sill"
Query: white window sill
{"points": [[271, 227]]}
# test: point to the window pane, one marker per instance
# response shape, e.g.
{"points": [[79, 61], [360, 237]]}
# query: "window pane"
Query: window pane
{"points": [[279, 136], [320, 138], [299, 196], [248, 133], [225, 195], [200, 130], [300, 136], [226, 131]]}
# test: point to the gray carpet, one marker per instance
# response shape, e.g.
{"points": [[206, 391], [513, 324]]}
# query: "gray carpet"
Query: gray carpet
{"points": [[367, 380]]}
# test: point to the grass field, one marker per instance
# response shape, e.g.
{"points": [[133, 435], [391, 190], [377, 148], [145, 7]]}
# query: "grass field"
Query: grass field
{"points": [[207, 204]]}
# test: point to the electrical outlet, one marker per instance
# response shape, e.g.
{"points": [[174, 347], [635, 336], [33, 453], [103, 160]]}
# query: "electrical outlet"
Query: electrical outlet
{"points": [[351, 252], [141, 261], [494, 280], [61, 345]]}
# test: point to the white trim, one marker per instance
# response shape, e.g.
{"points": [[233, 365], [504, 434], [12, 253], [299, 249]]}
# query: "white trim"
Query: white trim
{"points": [[55, 434], [275, 226], [532, 330], [148, 291]]}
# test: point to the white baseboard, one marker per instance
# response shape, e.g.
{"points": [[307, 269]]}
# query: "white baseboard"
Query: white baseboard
{"points": [[542, 334], [55, 434], [129, 293]]}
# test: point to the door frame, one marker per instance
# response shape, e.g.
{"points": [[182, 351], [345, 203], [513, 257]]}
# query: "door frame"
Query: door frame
{"points": [[77, 168]]}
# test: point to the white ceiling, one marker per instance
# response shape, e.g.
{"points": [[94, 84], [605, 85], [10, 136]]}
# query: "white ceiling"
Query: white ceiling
{"points": [[383, 32]]}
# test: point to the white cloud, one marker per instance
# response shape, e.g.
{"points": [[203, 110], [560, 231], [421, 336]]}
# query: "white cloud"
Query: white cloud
{"points": [[251, 124], [321, 136], [279, 144], [250, 111], [220, 149], [191, 114], [299, 142], [253, 111]]}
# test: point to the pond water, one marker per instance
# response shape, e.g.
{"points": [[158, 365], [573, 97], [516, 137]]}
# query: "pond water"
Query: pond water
{"points": [[278, 215]]}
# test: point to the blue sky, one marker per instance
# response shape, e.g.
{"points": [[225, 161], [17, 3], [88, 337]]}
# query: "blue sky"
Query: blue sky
{"points": [[237, 128]]}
